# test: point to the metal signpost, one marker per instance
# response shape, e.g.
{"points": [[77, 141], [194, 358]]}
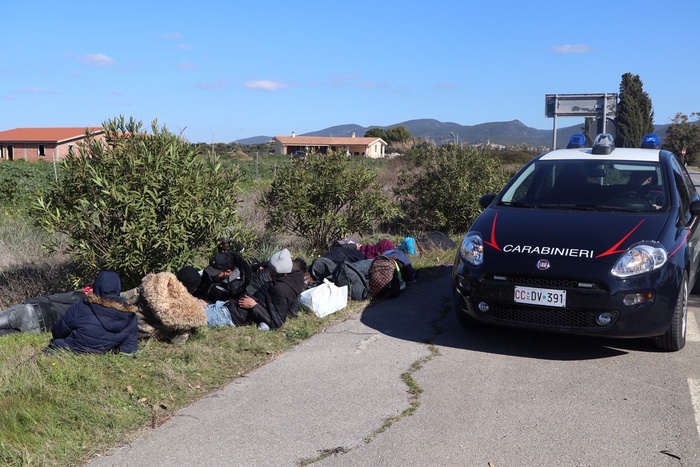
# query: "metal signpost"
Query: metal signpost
{"points": [[600, 106]]}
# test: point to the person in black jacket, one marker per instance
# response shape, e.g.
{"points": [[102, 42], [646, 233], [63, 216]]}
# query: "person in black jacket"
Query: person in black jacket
{"points": [[38, 314], [225, 278], [270, 305], [101, 323], [344, 250]]}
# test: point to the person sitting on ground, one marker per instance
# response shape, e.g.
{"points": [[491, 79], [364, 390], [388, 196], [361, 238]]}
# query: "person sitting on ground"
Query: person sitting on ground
{"points": [[270, 305], [38, 314], [261, 275], [343, 250], [102, 322], [225, 278], [167, 310]]}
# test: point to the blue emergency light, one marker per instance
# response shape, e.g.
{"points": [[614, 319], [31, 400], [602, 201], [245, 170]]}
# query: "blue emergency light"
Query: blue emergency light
{"points": [[577, 140], [651, 141]]}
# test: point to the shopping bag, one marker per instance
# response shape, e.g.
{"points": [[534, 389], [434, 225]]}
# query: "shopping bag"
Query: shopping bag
{"points": [[324, 299]]}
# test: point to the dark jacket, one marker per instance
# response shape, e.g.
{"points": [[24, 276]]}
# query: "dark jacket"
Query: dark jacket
{"points": [[344, 253], [52, 307], [101, 323], [211, 291], [275, 301]]}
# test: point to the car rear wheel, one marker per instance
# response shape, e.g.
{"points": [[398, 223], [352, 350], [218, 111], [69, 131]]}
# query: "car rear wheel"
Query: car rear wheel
{"points": [[674, 339]]}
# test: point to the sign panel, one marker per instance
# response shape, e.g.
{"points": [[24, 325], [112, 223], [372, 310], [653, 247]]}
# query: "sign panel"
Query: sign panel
{"points": [[580, 105]]}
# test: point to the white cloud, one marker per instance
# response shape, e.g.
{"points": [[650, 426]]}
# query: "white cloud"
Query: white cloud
{"points": [[265, 85], [184, 47], [572, 48], [186, 65], [171, 35], [446, 86], [97, 59]]}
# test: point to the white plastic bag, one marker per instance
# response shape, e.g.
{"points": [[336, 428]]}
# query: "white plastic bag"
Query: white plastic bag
{"points": [[324, 299]]}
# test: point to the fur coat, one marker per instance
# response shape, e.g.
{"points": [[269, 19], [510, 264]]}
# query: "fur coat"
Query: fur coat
{"points": [[167, 311]]}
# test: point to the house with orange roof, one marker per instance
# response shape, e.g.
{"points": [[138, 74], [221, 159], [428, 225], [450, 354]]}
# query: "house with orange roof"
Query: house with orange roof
{"points": [[35, 144], [364, 146]]}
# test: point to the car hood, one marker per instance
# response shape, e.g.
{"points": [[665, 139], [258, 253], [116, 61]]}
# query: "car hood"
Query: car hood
{"points": [[593, 235]]}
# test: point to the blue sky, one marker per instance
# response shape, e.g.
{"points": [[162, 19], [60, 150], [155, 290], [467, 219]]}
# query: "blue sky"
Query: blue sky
{"points": [[222, 71]]}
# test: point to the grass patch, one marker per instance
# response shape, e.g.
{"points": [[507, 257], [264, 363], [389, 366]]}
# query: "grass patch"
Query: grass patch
{"points": [[62, 409]]}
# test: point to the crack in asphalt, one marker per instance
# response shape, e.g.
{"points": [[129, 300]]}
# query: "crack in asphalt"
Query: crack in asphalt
{"points": [[413, 388]]}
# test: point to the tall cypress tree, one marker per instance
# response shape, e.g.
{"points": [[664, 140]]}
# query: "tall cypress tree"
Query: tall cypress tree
{"points": [[635, 114]]}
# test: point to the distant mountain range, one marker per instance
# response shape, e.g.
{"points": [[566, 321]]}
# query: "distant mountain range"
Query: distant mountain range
{"points": [[511, 133]]}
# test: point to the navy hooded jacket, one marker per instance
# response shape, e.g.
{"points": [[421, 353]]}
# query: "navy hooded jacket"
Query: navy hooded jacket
{"points": [[101, 323]]}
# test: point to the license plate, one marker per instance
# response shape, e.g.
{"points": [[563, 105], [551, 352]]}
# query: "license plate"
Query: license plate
{"points": [[537, 296]]}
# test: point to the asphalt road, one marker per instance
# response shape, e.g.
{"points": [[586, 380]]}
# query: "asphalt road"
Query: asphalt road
{"points": [[496, 396]]}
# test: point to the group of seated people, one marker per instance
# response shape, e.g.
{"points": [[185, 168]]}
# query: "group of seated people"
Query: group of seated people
{"points": [[169, 307]]}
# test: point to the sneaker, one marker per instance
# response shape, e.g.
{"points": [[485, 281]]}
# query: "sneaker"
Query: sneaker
{"points": [[263, 327]]}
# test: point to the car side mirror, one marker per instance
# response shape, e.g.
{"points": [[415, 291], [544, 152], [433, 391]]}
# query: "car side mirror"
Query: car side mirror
{"points": [[695, 208], [486, 200]]}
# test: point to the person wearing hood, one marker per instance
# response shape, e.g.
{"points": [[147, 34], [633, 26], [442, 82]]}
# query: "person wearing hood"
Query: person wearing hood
{"points": [[167, 310], [101, 323], [270, 305]]}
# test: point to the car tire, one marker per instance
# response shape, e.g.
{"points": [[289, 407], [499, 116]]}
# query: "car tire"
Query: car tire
{"points": [[674, 339], [465, 320]]}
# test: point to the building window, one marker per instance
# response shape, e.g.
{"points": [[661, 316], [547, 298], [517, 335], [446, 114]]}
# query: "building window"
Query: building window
{"points": [[42, 149]]}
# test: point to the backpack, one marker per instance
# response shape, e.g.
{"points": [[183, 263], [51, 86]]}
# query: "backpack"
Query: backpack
{"points": [[385, 278], [355, 276]]}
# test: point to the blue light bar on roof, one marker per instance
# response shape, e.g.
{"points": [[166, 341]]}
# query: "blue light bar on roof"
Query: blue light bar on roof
{"points": [[651, 141], [577, 140]]}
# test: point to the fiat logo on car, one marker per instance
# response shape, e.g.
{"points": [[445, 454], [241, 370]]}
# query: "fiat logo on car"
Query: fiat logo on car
{"points": [[543, 265]]}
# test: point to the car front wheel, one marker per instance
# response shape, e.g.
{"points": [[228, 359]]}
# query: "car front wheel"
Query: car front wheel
{"points": [[674, 339]]}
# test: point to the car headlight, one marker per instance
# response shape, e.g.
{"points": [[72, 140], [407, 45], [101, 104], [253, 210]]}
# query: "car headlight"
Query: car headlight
{"points": [[640, 259], [472, 249]]}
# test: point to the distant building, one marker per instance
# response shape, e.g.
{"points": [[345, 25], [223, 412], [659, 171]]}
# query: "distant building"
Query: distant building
{"points": [[35, 144], [366, 147]]}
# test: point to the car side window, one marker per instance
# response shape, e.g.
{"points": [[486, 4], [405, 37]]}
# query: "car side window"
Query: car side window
{"points": [[684, 195]]}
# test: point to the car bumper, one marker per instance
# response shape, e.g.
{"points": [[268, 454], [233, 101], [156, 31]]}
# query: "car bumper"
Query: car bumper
{"points": [[489, 298]]}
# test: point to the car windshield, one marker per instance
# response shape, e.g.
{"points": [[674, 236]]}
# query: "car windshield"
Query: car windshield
{"points": [[591, 185]]}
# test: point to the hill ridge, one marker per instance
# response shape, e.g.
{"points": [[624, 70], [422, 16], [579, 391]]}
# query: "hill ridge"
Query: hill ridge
{"points": [[509, 133]]}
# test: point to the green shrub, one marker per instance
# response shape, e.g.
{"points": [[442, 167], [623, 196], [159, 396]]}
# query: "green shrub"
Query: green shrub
{"points": [[21, 183], [442, 192], [140, 202], [323, 198]]}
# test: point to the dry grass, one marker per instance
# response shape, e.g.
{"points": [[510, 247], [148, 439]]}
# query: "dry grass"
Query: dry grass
{"points": [[26, 270]]}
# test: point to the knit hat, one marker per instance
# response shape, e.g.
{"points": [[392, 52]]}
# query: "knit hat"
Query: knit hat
{"points": [[190, 278], [281, 262], [220, 262], [348, 241]]}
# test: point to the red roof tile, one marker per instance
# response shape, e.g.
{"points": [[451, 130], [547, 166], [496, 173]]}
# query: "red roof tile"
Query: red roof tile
{"points": [[54, 135], [326, 140]]}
